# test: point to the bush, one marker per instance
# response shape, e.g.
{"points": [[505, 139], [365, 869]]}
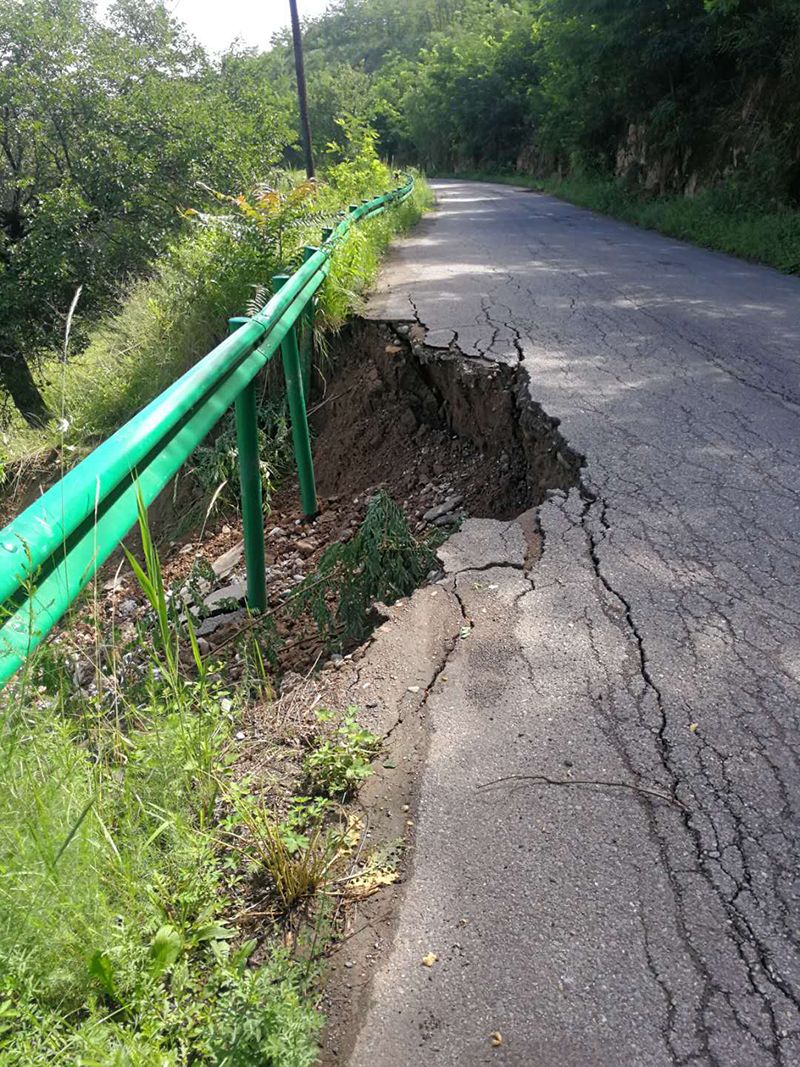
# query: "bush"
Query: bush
{"points": [[382, 562]]}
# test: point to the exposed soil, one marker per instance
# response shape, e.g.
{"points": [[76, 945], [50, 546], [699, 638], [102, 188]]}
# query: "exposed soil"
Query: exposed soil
{"points": [[423, 420]]}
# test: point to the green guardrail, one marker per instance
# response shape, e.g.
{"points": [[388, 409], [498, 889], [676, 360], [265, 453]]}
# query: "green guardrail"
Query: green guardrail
{"points": [[51, 551]]}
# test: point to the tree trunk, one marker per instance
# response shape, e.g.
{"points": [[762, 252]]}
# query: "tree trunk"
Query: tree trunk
{"points": [[17, 380]]}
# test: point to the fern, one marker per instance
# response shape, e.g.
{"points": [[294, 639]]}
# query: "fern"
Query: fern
{"points": [[382, 562]]}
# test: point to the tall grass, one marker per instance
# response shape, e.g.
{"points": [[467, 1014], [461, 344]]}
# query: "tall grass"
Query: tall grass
{"points": [[721, 218], [113, 886]]}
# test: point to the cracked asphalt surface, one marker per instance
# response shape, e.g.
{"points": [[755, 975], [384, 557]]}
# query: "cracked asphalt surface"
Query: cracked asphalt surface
{"points": [[655, 643]]}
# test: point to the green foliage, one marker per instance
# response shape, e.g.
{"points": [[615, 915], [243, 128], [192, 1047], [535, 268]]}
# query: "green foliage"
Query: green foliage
{"points": [[304, 814], [273, 211], [172, 318], [360, 168], [264, 1019], [114, 891], [338, 765], [216, 464], [338, 94], [105, 130], [382, 562], [166, 323]]}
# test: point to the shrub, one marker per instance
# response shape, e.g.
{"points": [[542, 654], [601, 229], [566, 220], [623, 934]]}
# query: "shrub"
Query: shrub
{"points": [[338, 765]]}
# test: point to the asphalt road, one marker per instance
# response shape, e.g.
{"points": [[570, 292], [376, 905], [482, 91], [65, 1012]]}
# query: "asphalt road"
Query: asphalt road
{"points": [[655, 643]]}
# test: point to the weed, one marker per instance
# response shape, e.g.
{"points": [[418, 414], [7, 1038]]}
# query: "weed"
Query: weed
{"points": [[216, 463], [382, 562], [305, 813], [264, 1018], [339, 764]]}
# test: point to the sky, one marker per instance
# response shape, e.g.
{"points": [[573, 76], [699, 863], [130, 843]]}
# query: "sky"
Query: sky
{"points": [[217, 23]]}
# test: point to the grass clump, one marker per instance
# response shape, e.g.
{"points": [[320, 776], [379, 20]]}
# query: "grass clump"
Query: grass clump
{"points": [[133, 855], [718, 218], [215, 463], [294, 854], [114, 897]]}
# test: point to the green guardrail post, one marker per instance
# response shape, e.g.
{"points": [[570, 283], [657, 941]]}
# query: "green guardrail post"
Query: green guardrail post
{"points": [[307, 328], [295, 393], [246, 409]]}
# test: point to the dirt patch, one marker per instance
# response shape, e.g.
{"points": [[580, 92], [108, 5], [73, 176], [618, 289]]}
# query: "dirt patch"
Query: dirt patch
{"points": [[425, 421]]}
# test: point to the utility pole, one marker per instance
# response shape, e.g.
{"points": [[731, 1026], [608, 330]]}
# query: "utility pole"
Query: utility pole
{"points": [[305, 128]]}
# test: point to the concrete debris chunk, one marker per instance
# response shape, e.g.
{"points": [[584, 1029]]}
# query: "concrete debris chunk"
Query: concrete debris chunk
{"points": [[217, 622], [224, 564], [235, 591]]}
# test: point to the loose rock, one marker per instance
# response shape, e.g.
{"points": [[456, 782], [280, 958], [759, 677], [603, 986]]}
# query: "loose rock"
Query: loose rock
{"points": [[449, 505]]}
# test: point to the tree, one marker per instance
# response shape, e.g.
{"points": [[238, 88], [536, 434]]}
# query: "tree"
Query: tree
{"points": [[105, 130]]}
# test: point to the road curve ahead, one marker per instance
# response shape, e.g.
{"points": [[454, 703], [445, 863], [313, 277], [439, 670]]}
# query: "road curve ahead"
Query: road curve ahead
{"points": [[656, 643]]}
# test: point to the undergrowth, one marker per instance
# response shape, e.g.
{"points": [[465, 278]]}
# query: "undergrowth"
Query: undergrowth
{"points": [[720, 218], [215, 463], [127, 843], [215, 270]]}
